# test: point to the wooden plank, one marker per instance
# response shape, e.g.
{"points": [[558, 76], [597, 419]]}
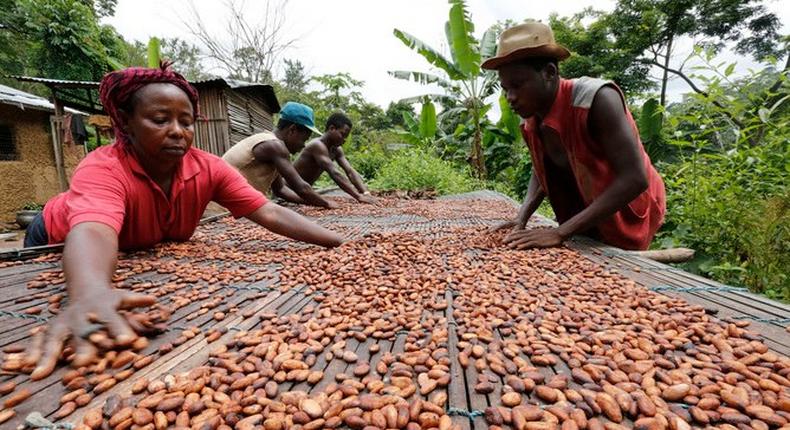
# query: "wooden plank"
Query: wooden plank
{"points": [[460, 391], [192, 353], [773, 336], [457, 395]]}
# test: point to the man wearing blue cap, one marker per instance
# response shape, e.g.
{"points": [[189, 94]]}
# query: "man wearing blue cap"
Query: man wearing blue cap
{"points": [[264, 158]]}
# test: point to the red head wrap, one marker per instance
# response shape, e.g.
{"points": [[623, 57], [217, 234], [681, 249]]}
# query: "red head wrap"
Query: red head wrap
{"points": [[117, 87]]}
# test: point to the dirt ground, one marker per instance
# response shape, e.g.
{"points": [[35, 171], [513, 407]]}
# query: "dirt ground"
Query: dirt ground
{"points": [[11, 236]]}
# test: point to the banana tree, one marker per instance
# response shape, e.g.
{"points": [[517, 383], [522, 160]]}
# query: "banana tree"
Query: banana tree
{"points": [[466, 86], [420, 132]]}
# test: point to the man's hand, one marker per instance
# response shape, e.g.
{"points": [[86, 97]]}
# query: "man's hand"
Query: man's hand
{"points": [[78, 320], [502, 226], [536, 238], [367, 199], [331, 205]]}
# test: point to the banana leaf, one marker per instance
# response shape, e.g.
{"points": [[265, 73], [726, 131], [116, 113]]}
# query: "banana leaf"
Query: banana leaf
{"points": [[460, 36], [430, 54], [443, 99], [428, 120], [509, 120], [410, 122], [488, 44], [650, 121], [422, 78], [153, 53]]}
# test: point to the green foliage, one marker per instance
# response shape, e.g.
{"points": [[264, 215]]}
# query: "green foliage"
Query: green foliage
{"points": [[67, 39], [57, 39], [650, 29], [427, 126], [185, 56], [395, 111], [650, 122], [727, 194], [433, 56], [466, 86], [295, 79], [32, 206], [522, 176], [420, 132], [463, 46], [368, 160], [419, 169], [102, 8], [154, 56], [595, 53], [503, 146]]}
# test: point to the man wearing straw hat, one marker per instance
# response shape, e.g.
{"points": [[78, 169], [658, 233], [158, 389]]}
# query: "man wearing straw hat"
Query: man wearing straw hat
{"points": [[586, 154]]}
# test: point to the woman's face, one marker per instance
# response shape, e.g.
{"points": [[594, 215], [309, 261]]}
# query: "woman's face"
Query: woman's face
{"points": [[160, 125]]}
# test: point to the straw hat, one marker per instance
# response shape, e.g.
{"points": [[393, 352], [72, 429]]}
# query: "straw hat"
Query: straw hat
{"points": [[531, 39]]}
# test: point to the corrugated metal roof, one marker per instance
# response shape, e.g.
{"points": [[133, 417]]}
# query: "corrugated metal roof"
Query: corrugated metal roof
{"points": [[266, 90], [23, 100], [59, 82]]}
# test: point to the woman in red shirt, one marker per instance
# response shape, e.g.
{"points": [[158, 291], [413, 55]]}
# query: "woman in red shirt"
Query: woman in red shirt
{"points": [[149, 186]]}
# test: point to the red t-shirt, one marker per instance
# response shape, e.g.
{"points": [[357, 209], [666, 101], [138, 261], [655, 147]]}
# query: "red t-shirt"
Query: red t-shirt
{"points": [[633, 226], [110, 187]]}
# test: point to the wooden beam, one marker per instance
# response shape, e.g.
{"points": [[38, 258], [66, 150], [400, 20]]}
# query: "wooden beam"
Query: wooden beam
{"points": [[57, 143]]}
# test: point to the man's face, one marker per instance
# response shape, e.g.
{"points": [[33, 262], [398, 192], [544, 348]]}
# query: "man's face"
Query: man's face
{"points": [[528, 91], [338, 136], [295, 137]]}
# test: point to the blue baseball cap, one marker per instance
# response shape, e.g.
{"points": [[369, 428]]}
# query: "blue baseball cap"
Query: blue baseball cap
{"points": [[300, 114]]}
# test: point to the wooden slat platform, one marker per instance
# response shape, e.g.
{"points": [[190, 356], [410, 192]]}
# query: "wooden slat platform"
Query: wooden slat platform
{"points": [[251, 290], [769, 317]]}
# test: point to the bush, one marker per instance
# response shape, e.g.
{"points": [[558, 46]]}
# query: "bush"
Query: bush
{"points": [[733, 209], [417, 169], [368, 161], [727, 194]]}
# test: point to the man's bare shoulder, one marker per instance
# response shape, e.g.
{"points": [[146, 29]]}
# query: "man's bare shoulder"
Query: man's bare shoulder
{"points": [[316, 146], [270, 148]]}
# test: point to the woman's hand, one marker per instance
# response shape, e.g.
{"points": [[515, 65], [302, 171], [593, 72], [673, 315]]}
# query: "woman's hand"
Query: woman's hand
{"points": [[78, 320]]}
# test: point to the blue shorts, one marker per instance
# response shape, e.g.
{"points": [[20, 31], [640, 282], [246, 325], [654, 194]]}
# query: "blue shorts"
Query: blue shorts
{"points": [[36, 233]]}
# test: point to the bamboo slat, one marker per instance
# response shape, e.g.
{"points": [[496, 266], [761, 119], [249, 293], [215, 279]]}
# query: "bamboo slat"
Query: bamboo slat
{"points": [[211, 132], [247, 115]]}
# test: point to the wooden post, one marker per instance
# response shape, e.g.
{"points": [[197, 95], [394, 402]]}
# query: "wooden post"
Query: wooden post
{"points": [[671, 255], [57, 143]]}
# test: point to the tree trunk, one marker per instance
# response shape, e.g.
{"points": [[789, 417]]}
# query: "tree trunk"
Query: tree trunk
{"points": [[478, 162], [665, 77]]}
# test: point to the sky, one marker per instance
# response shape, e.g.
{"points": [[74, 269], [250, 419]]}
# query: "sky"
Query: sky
{"points": [[355, 36]]}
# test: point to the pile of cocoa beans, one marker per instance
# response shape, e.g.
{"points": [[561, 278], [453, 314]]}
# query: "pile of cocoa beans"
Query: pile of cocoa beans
{"points": [[393, 323]]}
